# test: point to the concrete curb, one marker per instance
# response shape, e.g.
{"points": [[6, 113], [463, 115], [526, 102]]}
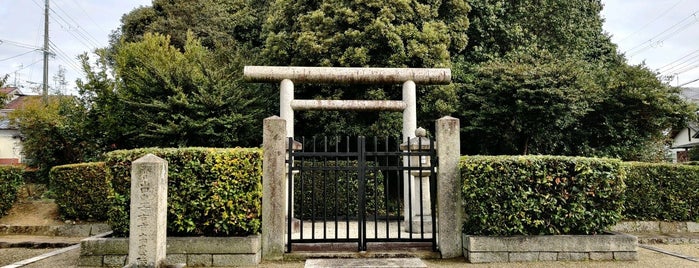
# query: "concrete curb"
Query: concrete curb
{"points": [[484, 249]]}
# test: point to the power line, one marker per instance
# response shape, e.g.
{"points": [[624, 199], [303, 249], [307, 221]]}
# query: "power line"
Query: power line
{"points": [[687, 83], [658, 39], [653, 20], [679, 59], [17, 56]]}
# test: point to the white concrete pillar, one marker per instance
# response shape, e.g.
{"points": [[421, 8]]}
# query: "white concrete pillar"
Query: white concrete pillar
{"points": [[409, 126], [286, 95]]}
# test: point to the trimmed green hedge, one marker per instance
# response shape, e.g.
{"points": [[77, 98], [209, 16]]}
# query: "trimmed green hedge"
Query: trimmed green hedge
{"points": [[665, 192], [10, 181], [540, 195], [80, 190], [211, 192]]}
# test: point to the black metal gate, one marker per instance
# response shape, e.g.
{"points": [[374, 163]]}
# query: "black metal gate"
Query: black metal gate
{"points": [[347, 190]]}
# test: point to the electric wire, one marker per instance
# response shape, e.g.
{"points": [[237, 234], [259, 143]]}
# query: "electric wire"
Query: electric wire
{"points": [[659, 38], [652, 21], [670, 65], [18, 55]]}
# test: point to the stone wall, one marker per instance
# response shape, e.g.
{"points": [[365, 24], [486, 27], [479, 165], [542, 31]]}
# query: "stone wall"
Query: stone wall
{"points": [[484, 249], [193, 251]]}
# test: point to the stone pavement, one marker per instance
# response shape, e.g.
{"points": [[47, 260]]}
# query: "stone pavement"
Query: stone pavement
{"points": [[654, 254]]}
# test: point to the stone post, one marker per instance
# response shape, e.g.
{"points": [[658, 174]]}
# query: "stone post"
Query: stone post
{"points": [[409, 126], [148, 222], [273, 188], [449, 208], [286, 96]]}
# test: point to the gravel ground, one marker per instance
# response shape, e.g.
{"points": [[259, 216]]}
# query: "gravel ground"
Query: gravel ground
{"points": [[647, 258], [12, 255]]}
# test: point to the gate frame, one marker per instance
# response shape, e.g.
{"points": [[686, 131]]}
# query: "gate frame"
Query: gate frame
{"points": [[274, 179], [359, 153]]}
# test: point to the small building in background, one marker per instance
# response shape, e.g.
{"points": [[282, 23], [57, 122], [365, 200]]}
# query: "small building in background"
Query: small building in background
{"points": [[10, 138], [686, 139]]}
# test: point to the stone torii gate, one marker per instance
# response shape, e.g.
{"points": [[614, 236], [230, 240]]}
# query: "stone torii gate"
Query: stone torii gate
{"points": [[408, 77]]}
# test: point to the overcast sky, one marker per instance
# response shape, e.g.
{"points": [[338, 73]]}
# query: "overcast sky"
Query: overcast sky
{"points": [[663, 33]]}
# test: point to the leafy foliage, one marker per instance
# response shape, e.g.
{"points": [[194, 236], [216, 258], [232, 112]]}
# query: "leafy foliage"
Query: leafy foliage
{"points": [[80, 190], [560, 89], [10, 181], [395, 33], [540, 195], [662, 192], [53, 133], [212, 192], [180, 98]]}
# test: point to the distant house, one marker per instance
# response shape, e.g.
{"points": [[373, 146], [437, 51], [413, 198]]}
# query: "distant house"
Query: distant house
{"points": [[10, 138], [687, 138]]}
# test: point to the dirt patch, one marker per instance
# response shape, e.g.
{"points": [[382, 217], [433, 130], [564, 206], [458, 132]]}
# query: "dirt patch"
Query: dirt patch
{"points": [[33, 213]]}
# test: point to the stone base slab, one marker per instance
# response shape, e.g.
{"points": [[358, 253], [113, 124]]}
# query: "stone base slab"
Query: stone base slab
{"points": [[656, 227], [484, 249], [192, 251]]}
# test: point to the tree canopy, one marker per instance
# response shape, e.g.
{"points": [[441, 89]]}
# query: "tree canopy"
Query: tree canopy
{"points": [[529, 77]]}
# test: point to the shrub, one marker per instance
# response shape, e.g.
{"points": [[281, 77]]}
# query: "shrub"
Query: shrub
{"points": [[666, 192], [327, 194], [10, 181], [540, 195], [80, 190], [212, 192]]}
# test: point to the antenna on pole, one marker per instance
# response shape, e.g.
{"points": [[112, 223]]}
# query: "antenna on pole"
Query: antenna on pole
{"points": [[46, 54]]}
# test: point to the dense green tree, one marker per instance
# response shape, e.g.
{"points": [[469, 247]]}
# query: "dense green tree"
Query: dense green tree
{"points": [[525, 103], [52, 133], [217, 23], [635, 111], [394, 33], [183, 98], [542, 77]]}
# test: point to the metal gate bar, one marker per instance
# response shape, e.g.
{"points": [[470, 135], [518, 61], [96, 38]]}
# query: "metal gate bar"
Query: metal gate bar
{"points": [[331, 171]]}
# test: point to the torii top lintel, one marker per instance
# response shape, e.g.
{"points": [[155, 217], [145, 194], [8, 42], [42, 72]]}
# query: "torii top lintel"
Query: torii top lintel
{"points": [[347, 75]]}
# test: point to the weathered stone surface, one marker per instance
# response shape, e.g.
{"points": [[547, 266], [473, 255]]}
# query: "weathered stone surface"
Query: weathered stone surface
{"points": [[213, 245], [693, 227], [573, 256], [560, 243], [176, 258], [626, 256], [347, 75], [148, 218], [448, 188], [601, 256], [235, 260], [194, 260], [672, 227], [90, 261], [274, 191], [114, 260], [377, 262], [104, 246], [636, 226], [481, 257], [524, 256], [548, 256]]}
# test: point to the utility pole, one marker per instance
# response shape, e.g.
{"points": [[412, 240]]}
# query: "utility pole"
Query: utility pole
{"points": [[46, 53]]}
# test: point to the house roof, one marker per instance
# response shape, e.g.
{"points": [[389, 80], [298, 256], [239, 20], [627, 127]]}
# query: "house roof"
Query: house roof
{"points": [[8, 90], [19, 102]]}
